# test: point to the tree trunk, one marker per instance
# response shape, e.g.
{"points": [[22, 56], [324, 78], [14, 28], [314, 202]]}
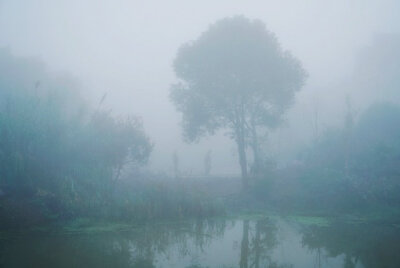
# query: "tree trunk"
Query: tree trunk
{"points": [[241, 143], [244, 249], [257, 246], [242, 159], [256, 151]]}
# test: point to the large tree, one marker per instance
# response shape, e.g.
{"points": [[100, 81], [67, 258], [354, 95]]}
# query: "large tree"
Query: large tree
{"points": [[235, 76]]}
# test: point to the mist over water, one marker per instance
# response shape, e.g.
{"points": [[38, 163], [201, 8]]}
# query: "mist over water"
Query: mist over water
{"points": [[192, 134]]}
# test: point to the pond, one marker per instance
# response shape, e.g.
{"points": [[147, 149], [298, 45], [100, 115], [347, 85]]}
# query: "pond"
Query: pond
{"points": [[262, 242]]}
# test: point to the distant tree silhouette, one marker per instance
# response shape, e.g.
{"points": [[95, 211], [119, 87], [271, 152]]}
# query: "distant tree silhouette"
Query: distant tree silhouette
{"points": [[235, 76]]}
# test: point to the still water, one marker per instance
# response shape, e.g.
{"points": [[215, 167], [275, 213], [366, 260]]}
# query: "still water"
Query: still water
{"points": [[264, 242]]}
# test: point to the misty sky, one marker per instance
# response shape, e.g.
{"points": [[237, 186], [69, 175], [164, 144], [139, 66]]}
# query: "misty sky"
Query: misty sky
{"points": [[126, 48]]}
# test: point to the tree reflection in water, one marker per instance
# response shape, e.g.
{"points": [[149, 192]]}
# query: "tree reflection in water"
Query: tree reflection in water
{"points": [[135, 248], [260, 243], [365, 245], [259, 238]]}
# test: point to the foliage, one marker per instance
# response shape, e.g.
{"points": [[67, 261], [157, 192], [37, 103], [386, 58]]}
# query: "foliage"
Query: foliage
{"points": [[235, 76], [154, 198], [343, 170], [57, 158]]}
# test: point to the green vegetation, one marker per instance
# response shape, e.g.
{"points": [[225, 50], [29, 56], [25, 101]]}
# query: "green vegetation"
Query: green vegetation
{"points": [[60, 159], [351, 170]]}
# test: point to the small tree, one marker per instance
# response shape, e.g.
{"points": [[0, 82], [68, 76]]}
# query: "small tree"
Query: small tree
{"points": [[235, 76], [175, 160], [207, 163]]}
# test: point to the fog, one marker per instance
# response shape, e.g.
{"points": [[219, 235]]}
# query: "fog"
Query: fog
{"points": [[199, 133], [126, 49]]}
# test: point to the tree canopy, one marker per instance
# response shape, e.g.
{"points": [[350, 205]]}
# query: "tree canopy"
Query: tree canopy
{"points": [[235, 76]]}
